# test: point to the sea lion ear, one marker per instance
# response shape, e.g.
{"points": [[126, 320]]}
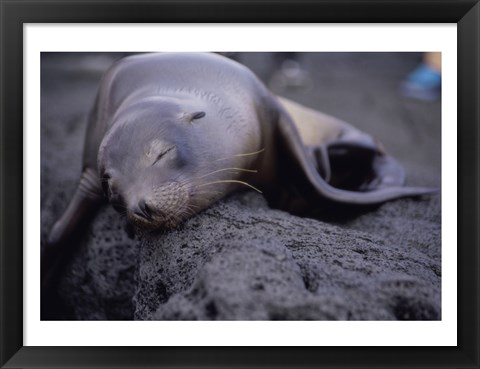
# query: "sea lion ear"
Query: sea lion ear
{"points": [[194, 116]]}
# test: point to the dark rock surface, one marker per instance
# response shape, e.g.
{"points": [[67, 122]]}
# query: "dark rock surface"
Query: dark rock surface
{"points": [[240, 259]]}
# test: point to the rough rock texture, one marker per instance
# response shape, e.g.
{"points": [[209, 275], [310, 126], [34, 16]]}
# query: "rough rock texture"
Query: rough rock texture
{"points": [[240, 259]]}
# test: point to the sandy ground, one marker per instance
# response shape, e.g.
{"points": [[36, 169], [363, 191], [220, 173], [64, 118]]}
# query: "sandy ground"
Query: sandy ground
{"points": [[240, 259]]}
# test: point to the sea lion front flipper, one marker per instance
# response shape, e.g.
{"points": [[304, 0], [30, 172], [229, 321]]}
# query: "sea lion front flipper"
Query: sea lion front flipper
{"points": [[86, 200], [62, 240], [295, 150]]}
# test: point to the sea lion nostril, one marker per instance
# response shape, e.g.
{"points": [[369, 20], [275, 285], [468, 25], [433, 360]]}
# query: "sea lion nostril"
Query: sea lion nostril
{"points": [[144, 210], [147, 210]]}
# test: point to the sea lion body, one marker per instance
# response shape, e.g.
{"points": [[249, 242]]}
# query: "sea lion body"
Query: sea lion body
{"points": [[172, 133], [146, 105]]}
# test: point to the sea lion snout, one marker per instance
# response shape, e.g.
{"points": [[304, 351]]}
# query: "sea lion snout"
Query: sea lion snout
{"points": [[163, 206]]}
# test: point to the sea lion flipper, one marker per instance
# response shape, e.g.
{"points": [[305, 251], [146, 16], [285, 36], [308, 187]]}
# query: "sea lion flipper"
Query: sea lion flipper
{"points": [[85, 201], [323, 162], [87, 197], [359, 164], [295, 150]]}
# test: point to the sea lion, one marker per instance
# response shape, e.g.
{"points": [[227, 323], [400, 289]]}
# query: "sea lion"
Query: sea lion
{"points": [[172, 133]]}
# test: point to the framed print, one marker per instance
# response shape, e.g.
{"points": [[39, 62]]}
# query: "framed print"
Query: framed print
{"points": [[242, 280]]}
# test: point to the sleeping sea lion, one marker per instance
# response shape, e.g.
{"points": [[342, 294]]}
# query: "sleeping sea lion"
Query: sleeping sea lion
{"points": [[172, 133]]}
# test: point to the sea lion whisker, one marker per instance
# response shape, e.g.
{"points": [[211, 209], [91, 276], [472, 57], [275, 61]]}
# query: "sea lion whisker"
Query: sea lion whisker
{"points": [[224, 169], [251, 153], [174, 217], [234, 170], [206, 192], [118, 205], [207, 198], [123, 212], [176, 178], [231, 181], [185, 182], [180, 216], [186, 213], [240, 155], [168, 218], [194, 206]]}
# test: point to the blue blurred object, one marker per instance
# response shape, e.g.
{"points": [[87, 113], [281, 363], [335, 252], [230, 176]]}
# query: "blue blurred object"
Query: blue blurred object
{"points": [[424, 83]]}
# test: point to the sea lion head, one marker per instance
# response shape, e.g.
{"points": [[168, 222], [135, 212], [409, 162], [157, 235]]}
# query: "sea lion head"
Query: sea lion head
{"points": [[150, 160]]}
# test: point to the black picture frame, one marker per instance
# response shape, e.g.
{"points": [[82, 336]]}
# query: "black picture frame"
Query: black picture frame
{"points": [[465, 13]]}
